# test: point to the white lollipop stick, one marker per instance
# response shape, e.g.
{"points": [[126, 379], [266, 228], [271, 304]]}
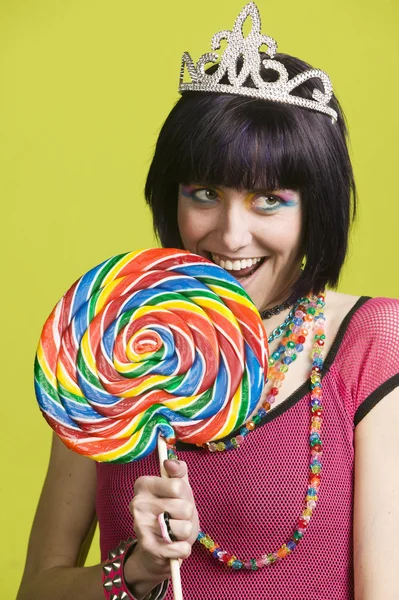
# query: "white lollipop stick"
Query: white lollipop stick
{"points": [[174, 562]]}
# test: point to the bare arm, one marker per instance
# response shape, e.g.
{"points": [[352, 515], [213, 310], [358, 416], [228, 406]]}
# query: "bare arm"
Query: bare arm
{"points": [[64, 525], [376, 509], [62, 532]]}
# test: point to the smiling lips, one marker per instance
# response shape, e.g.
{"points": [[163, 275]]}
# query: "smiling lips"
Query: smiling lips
{"points": [[240, 268]]}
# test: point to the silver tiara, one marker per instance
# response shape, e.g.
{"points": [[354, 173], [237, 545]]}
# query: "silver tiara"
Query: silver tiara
{"points": [[248, 48]]}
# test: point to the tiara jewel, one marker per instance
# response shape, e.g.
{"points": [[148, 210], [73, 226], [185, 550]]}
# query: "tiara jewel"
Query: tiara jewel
{"points": [[248, 48]]}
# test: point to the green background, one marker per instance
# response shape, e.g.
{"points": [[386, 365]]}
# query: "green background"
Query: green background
{"points": [[84, 88]]}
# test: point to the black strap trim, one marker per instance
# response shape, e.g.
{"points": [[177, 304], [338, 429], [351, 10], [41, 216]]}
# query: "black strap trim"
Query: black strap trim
{"points": [[383, 390], [300, 392], [341, 332]]}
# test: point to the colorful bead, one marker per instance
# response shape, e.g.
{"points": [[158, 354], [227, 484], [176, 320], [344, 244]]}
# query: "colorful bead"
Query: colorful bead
{"points": [[259, 563], [315, 481], [304, 521], [283, 551], [271, 558]]}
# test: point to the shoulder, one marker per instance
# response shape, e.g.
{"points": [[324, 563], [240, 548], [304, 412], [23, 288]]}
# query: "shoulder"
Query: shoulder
{"points": [[365, 352], [375, 321], [380, 315], [362, 317]]}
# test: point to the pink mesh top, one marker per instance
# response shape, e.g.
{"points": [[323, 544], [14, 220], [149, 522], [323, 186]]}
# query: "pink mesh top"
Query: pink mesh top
{"points": [[249, 500]]}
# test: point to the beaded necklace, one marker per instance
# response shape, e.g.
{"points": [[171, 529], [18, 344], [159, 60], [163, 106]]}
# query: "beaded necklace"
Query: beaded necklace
{"points": [[276, 310], [308, 310], [279, 330]]}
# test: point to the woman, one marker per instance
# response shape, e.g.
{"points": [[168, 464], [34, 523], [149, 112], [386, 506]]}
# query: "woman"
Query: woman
{"points": [[263, 188]]}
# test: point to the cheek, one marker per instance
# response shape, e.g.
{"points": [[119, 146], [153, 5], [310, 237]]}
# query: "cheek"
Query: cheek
{"points": [[193, 225], [281, 237], [189, 233], [286, 234]]}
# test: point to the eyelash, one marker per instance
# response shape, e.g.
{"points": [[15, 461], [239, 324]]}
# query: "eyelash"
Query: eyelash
{"points": [[196, 190], [263, 210], [270, 208]]}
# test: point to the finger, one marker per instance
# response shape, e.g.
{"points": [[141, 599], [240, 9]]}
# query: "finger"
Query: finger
{"points": [[145, 512], [166, 531], [182, 530], [159, 549], [180, 550], [176, 469], [174, 530], [176, 487], [179, 510]]}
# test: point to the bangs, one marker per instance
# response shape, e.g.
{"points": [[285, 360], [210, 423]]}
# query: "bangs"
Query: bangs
{"points": [[249, 148]]}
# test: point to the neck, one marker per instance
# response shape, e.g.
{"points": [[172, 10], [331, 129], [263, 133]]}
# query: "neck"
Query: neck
{"points": [[284, 287], [277, 309]]}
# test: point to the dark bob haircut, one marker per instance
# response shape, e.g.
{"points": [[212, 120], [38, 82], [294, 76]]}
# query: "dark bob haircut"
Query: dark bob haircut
{"points": [[247, 143]]}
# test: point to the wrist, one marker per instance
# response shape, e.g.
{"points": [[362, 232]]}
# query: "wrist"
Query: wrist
{"points": [[125, 577], [137, 577]]}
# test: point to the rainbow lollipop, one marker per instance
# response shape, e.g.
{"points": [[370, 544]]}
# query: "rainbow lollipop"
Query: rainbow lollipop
{"points": [[149, 342]]}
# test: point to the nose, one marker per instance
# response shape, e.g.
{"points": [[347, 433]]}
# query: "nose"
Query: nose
{"points": [[234, 227]]}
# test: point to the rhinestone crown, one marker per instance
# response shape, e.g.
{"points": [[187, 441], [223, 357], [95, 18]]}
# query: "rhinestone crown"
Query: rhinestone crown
{"points": [[248, 49]]}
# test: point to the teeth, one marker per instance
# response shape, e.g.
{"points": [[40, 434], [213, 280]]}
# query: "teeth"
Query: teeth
{"points": [[235, 265]]}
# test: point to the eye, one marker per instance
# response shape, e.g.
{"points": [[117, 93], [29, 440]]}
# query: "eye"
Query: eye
{"points": [[205, 195], [266, 202]]}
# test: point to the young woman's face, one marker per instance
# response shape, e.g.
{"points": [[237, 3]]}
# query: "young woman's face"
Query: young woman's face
{"points": [[255, 235]]}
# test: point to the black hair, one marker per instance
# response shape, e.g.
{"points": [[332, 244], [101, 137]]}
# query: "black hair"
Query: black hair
{"points": [[249, 143]]}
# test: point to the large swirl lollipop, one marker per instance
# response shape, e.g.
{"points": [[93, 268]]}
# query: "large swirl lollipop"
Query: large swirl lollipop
{"points": [[152, 342]]}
